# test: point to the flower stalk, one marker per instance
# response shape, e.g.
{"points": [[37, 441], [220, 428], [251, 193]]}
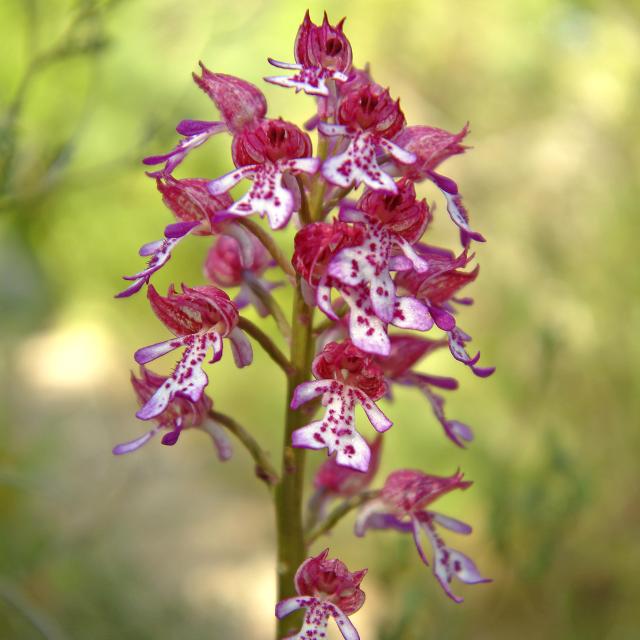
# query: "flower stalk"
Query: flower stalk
{"points": [[291, 548], [264, 468]]}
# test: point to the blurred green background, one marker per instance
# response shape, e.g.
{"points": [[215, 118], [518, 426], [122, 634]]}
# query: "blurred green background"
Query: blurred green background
{"points": [[169, 543]]}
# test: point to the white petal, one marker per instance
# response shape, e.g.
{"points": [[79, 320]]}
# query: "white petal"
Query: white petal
{"points": [[229, 180]]}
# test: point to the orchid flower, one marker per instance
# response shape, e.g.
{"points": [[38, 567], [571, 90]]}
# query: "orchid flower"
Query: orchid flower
{"points": [[180, 414], [326, 589], [346, 376], [200, 318], [402, 506], [321, 53]]}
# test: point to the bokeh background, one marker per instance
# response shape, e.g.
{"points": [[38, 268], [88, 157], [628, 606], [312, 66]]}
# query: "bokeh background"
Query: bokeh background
{"points": [[170, 543]]}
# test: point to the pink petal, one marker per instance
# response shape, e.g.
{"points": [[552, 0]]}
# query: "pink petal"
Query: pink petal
{"points": [[323, 299], [465, 569], [400, 154], [345, 625], [418, 263], [308, 437], [220, 439], [133, 445], [267, 196], [451, 523], [336, 431], [241, 348], [331, 130], [411, 314], [311, 80], [285, 607], [160, 252], [460, 217], [284, 65], [153, 351]]}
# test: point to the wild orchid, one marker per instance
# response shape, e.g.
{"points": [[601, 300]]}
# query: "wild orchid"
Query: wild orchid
{"points": [[359, 269]]}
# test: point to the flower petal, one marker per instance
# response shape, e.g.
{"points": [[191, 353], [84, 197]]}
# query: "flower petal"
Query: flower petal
{"points": [[401, 155], [336, 431], [308, 391], [450, 523], [460, 217], [410, 313], [241, 348], [358, 164], [229, 180], [133, 445], [379, 421], [220, 439], [366, 330], [188, 379], [345, 625], [153, 351], [160, 252]]}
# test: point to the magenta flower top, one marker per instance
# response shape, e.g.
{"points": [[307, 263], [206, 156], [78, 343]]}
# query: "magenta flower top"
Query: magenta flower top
{"points": [[326, 589], [240, 103], [321, 52]]}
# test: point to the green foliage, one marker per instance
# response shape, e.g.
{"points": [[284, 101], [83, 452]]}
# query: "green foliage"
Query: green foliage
{"points": [[150, 547]]}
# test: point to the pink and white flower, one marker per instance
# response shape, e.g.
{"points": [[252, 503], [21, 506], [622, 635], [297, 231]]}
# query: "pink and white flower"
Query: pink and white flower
{"points": [[368, 119], [180, 414], [402, 506], [269, 154], [326, 589], [321, 52], [200, 318], [345, 377]]}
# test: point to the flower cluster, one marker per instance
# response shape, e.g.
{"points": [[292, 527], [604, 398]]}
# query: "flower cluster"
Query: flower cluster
{"points": [[359, 258]]}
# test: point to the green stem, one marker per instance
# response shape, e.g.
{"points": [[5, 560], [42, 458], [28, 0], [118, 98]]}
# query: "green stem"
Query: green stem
{"points": [[336, 199], [267, 344], [270, 303], [338, 513], [289, 493], [268, 243], [264, 469], [316, 196], [305, 213]]}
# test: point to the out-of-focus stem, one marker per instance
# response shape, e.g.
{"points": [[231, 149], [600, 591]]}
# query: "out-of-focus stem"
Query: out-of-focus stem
{"points": [[270, 303], [269, 244], [340, 308], [289, 493], [305, 213], [317, 191], [334, 200], [267, 344], [338, 513], [264, 469]]}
